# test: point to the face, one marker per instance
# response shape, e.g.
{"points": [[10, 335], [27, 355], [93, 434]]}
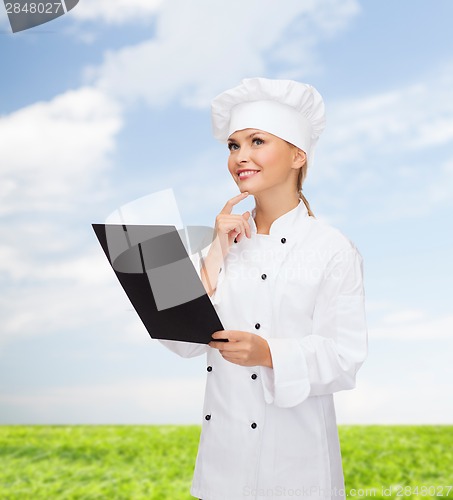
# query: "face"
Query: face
{"points": [[261, 161]]}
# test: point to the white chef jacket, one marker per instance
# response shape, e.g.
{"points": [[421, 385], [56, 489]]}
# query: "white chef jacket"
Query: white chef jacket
{"points": [[271, 432]]}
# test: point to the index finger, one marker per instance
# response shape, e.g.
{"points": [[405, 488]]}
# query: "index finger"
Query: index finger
{"points": [[233, 201]]}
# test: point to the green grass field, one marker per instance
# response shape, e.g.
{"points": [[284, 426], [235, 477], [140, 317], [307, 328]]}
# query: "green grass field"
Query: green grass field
{"points": [[156, 462]]}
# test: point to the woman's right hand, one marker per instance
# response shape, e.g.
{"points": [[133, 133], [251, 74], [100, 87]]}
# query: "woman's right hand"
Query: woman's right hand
{"points": [[229, 226]]}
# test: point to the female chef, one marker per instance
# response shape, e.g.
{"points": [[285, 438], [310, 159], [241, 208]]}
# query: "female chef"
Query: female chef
{"points": [[288, 289]]}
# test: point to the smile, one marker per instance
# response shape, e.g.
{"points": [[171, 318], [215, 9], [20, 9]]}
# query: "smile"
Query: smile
{"points": [[247, 173]]}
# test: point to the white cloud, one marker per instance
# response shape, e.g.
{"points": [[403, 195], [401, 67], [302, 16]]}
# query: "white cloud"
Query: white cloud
{"points": [[422, 402], [53, 157], [4, 23], [52, 152], [405, 380], [61, 294], [413, 118], [406, 120], [373, 306], [198, 51], [440, 189], [404, 316], [388, 153], [412, 324], [116, 11], [140, 401]]}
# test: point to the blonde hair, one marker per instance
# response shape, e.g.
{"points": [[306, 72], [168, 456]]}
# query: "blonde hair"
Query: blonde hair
{"points": [[300, 180]]}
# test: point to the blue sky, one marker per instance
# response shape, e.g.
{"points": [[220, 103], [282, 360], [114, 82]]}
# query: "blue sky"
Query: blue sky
{"points": [[110, 103]]}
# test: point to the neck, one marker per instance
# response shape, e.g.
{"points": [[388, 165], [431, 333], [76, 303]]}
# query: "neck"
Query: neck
{"points": [[270, 206]]}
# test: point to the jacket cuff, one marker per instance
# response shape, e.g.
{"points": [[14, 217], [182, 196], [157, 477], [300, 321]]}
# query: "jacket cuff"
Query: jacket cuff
{"points": [[287, 383], [185, 349]]}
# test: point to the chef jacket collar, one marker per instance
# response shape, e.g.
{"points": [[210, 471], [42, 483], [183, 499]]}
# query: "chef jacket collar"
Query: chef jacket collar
{"points": [[283, 224]]}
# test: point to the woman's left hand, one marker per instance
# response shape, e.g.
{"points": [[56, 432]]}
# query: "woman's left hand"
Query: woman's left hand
{"points": [[242, 348]]}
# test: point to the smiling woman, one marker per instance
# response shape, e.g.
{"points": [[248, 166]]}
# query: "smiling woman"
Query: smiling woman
{"points": [[289, 292]]}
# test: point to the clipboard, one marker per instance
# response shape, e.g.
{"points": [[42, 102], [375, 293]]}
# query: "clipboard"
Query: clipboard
{"points": [[155, 270]]}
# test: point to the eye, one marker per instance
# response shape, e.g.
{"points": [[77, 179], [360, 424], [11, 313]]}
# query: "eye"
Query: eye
{"points": [[232, 146], [258, 141]]}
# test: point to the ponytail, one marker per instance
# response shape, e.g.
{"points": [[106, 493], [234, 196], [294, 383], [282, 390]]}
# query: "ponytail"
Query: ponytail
{"points": [[300, 179], [306, 203]]}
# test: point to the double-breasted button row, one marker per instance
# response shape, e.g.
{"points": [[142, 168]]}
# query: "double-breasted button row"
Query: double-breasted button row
{"points": [[283, 240], [253, 375], [253, 425]]}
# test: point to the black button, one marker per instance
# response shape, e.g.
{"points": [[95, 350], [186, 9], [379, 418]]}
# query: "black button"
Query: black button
{"points": [[257, 326], [235, 240], [220, 270], [209, 368], [254, 375], [208, 417], [253, 426], [283, 240], [263, 276]]}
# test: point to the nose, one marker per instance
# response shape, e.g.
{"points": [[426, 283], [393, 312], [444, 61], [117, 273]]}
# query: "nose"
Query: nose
{"points": [[243, 155]]}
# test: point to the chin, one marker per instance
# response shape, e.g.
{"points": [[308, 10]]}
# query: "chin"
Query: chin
{"points": [[249, 191]]}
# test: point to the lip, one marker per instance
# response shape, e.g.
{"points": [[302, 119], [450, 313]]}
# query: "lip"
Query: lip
{"points": [[243, 177]]}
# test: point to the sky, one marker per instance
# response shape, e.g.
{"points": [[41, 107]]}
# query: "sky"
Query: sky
{"points": [[110, 104]]}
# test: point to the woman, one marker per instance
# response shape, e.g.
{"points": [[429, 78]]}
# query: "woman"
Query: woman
{"points": [[288, 290]]}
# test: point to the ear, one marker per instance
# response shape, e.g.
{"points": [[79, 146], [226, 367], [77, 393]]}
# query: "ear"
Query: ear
{"points": [[300, 158]]}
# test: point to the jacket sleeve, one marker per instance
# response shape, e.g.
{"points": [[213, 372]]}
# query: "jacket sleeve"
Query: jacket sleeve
{"points": [[185, 349], [327, 359]]}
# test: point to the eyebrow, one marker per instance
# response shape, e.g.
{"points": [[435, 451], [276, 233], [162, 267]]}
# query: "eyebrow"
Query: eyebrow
{"points": [[248, 137]]}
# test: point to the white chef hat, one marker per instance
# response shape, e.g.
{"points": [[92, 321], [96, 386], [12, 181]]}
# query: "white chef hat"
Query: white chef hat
{"points": [[290, 110]]}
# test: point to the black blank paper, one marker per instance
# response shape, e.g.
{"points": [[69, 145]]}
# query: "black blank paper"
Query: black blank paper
{"points": [[153, 267]]}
